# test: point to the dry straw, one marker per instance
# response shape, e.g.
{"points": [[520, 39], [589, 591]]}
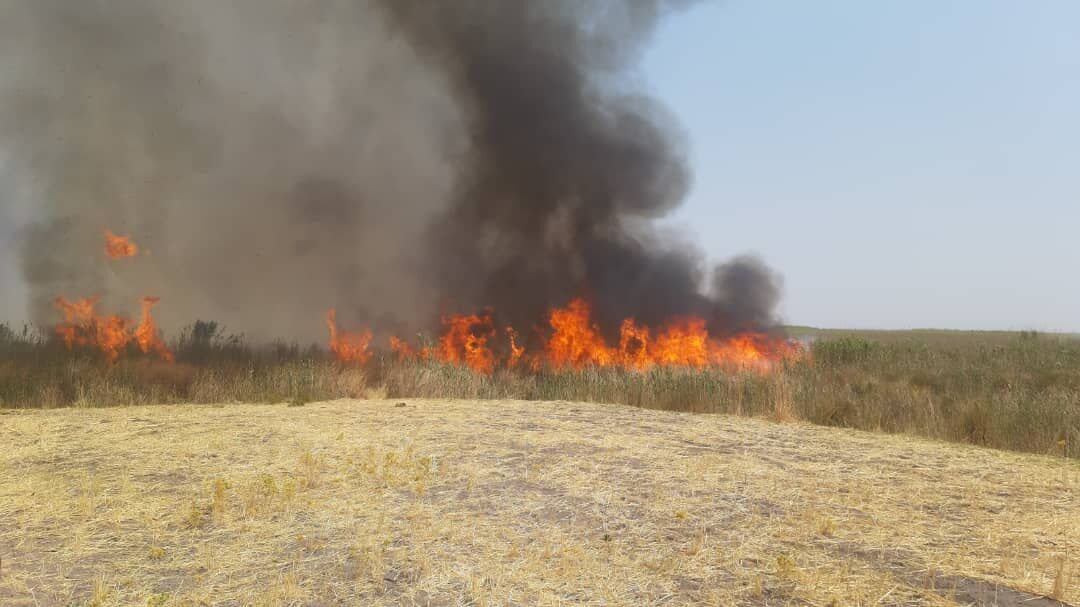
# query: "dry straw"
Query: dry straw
{"points": [[506, 502]]}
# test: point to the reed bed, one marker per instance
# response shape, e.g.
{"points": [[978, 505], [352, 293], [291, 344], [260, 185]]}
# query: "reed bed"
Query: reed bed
{"points": [[1018, 391]]}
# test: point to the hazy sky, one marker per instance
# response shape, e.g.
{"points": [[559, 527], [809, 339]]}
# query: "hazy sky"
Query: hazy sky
{"points": [[903, 164]]}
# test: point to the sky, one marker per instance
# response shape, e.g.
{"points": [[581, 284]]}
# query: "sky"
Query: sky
{"points": [[901, 164]]}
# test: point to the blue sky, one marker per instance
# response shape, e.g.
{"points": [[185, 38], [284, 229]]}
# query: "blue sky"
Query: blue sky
{"points": [[902, 164]]}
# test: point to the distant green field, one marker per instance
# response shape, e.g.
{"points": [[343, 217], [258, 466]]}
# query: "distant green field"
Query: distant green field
{"points": [[944, 336]]}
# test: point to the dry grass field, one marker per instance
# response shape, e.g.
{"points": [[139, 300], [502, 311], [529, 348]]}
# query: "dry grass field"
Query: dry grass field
{"points": [[442, 502], [1016, 391]]}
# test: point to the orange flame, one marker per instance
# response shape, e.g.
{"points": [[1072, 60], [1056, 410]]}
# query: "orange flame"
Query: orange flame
{"points": [[575, 342], [119, 247], [77, 315], [683, 343], [83, 327], [348, 346], [516, 351], [147, 335], [464, 342], [634, 350], [401, 348]]}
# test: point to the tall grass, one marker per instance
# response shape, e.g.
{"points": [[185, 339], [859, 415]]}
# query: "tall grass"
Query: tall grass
{"points": [[210, 367], [1012, 391]]}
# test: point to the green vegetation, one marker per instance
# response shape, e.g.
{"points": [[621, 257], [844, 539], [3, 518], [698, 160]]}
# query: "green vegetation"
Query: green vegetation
{"points": [[1017, 391]]}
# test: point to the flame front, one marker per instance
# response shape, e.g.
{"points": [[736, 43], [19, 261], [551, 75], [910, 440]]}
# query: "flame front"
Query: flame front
{"points": [[84, 327], [119, 247], [574, 341]]}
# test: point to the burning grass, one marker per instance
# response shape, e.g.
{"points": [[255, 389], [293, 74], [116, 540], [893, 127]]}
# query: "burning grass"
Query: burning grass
{"points": [[111, 334], [1010, 391], [438, 502], [573, 340]]}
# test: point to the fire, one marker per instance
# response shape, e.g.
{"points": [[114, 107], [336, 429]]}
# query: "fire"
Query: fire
{"points": [[634, 346], [465, 342], [401, 348], [574, 341], [516, 351], [348, 346], [84, 327], [119, 247], [577, 343], [147, 335], [683, 343]]}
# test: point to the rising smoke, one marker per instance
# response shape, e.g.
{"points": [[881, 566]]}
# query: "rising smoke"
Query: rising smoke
{"points": [[392, 158]]}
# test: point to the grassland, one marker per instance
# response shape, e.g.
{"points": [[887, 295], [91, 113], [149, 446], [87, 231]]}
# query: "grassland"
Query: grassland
{"points": [[451, 502], [165, 485], [1017, 391]]}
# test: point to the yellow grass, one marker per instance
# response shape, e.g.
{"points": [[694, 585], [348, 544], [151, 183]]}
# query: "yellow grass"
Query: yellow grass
{"points": [[494, 503]]}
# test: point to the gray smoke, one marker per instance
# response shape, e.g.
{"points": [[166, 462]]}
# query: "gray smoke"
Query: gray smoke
{"points": [[394, 159]]}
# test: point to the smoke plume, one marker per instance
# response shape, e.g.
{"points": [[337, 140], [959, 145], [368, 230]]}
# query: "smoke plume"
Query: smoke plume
{"points": [[392, 158]]}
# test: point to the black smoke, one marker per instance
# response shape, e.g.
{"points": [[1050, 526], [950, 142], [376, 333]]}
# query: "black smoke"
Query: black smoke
{"points": [[393, 158], [568, 162]]}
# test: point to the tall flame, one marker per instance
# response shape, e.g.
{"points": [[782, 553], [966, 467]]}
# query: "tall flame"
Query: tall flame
{"points": [[119, 247], [516, 351], [465, 341], [147, 335], [634, 347], [348, 346], [576, 341], [84, 327]]}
